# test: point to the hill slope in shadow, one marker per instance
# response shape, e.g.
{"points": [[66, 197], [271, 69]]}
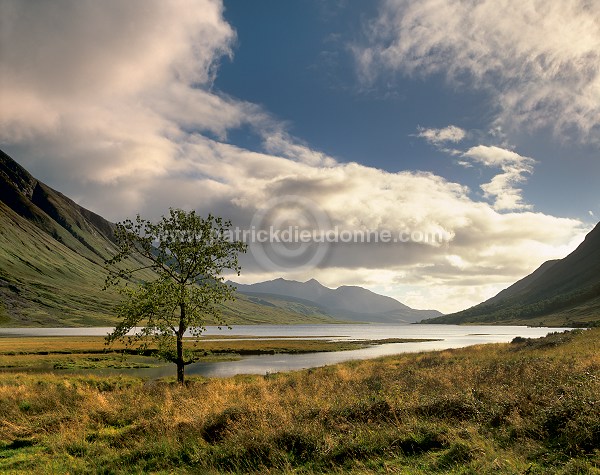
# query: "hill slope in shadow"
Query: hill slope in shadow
{"points": [[560, 292]]}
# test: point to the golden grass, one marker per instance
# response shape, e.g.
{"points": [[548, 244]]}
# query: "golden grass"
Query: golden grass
{"points": [[234, 343], [54, 344], [532, 407], [43, 353]]}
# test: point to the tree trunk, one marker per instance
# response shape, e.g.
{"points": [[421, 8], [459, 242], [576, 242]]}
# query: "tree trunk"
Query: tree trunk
{"points": [[180, 333], [180, 362]]}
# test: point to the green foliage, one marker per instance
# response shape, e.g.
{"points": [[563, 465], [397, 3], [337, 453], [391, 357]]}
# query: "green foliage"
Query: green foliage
{"points": [[188, 254]]}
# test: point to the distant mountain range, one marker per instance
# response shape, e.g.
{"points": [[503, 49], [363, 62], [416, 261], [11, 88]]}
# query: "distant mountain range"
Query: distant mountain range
{"points": [[52, 254], [560, 292], [346, 302]]}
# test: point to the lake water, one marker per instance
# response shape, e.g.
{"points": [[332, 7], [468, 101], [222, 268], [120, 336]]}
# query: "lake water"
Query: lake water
{"points": [[449, 336]]}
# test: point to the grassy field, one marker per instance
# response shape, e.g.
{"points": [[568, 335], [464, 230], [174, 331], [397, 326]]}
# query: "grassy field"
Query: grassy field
{"points": [[528, 407], [90, 352]]}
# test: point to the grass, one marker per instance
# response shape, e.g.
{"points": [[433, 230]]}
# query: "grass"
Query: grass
{"points": [[40, 345], [272, 346], [532, 406], [90, 352]]}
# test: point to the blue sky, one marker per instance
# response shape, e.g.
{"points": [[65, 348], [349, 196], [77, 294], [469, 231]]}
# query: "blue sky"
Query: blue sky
{"points": [[479, 123], [295, 59]]}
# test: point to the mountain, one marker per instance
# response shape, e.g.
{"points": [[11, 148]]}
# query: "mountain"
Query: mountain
{"points": [[346, 302], [52, 254], [560, 292]]}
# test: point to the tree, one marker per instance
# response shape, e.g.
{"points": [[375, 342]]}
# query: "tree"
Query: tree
{"points": [[173, 283]]}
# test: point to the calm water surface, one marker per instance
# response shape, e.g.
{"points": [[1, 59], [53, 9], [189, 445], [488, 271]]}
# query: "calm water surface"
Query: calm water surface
{"points": [[449, 336]]}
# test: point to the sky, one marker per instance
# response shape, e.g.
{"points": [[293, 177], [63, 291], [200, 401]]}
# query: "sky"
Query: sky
{"points": [[475, 121]]}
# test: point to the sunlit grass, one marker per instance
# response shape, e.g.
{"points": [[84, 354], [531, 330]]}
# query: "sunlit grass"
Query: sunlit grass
{"points": [[529, 407], [91, 352], [19, 346]]}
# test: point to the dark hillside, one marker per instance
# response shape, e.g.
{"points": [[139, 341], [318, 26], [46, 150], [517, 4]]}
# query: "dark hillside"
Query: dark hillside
{"points": [[562, 292]]}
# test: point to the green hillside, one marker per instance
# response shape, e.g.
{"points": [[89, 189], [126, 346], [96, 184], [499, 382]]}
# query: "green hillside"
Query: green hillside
{"points": [[52, 254], [564, 292]]}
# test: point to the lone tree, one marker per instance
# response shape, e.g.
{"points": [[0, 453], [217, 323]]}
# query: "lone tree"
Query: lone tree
{"points": [[170, 274]]}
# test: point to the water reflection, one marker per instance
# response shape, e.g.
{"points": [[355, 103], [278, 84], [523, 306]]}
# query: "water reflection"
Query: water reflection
{"points": [[451, 336]]}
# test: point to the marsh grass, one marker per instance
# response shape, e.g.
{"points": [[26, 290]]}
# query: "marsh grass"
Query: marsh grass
{"points": [[527, 407], [10, 345], [44, 353]]}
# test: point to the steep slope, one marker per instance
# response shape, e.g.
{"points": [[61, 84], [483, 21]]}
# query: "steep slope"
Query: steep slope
{"points": [[561, 292], [45, 282], [522, 284], [347, 302], [52, 254]]}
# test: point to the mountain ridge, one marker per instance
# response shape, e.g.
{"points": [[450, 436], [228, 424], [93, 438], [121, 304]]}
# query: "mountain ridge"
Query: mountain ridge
{"points": [[349, 302], [559, 292]]}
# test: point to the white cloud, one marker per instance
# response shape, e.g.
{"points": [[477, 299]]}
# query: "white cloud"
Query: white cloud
{"points": [[498, 157], [502, 188], [450, 133], [113, 84], [479, 238], [279, 142], [538, 60], [111, 103]]}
